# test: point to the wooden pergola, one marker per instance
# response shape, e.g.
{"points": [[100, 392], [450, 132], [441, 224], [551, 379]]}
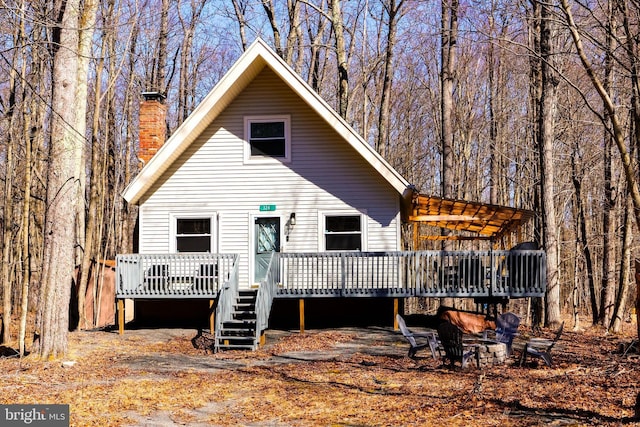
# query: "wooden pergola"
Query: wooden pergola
{"points": [[486, 221]]}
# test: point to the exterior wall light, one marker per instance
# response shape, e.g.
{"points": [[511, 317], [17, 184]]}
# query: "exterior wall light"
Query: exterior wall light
{"points": [[289, 225]]}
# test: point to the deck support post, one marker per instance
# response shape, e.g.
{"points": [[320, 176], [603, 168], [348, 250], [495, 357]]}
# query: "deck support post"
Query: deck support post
{"points": [[301, 308], [212, 316], [120, 310], [395, 314]]}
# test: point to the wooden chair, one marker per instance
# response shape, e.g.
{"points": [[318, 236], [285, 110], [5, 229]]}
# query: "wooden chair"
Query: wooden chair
{"points": [[414, 346], [541, 350], [206, 276], [451, 339], [157, 277]]}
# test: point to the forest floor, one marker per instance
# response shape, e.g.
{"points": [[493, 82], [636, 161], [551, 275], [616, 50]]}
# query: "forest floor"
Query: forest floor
{"points": [[343, 377]]}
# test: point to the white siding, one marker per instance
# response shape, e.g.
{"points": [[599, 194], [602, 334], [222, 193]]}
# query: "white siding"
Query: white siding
{"points": [[325, 174]]}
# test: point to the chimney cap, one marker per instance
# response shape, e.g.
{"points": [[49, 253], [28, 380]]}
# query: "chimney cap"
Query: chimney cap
{"points": [[153, 96]]}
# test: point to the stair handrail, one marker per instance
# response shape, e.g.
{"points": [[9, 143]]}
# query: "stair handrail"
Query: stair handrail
{"points": [[226, 299], [266, 293]]}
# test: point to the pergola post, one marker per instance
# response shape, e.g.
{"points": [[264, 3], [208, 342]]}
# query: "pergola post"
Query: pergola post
{"points": [[395, 314], [212, 316], [120, 310]]}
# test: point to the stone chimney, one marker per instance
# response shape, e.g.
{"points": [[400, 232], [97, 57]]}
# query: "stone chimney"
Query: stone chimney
{"points": [[153, 125]]}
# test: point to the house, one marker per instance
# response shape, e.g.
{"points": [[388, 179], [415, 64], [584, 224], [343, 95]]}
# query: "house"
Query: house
{"points": [[265, 190]]}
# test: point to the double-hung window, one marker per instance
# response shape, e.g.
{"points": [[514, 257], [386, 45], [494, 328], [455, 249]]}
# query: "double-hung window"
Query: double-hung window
{"points": [[343, 232], [268, 138], [193, 234]]}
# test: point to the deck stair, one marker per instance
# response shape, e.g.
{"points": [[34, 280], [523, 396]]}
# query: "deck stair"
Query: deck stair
{"points": [[239, 333]]}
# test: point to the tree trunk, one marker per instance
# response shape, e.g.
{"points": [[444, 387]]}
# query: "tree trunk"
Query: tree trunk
{"points": [[607, 297], [26, 207], [295, 42], [494, 168], [158, 81], [625, 270], [7, 242], [575, 294], [449, 28], [187, 69], [582, 237], [393, 10], [315, 69], [341, 57], [546, 123], [238, 9], [637, 275], [127, 218], [53, 311], [448, 61], [87, 25], [271, 16]]}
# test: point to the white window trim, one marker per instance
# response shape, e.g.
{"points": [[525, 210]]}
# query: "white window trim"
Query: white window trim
{"points": [[363, 227], [173, 221], [248, 158]]}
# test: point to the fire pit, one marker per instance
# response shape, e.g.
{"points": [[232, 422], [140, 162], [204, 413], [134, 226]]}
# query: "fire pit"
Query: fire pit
{"points": [[490, 352]]}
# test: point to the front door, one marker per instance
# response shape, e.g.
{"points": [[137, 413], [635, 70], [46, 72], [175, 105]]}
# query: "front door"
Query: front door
{"points": [[267, 240]]}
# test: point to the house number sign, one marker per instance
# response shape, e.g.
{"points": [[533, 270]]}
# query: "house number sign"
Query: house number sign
{"points": [[267, 208]]}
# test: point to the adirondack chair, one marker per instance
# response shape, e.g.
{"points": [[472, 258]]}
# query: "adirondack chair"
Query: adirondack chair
{"points": [[541, 350], [506, 329], [451, 338], [414, 346]]}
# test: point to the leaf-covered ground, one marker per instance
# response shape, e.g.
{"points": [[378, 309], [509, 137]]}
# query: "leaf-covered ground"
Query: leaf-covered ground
{"points": [[346, 377]]}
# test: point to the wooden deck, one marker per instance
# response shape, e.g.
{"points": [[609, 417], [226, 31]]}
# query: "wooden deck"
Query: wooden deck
{"points": [[489, 275]]}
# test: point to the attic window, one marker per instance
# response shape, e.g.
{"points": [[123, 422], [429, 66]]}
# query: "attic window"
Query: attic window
{"points": [[267, 138]]}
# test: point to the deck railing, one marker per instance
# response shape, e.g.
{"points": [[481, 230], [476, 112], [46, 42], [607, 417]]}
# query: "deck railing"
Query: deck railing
{"points": [[226, 299], [343, 273], [267, 292], [423, 273], [181, 275], [465, 274]]}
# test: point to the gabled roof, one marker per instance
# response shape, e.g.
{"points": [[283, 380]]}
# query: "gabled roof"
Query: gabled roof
{"points": [[246, 68]]}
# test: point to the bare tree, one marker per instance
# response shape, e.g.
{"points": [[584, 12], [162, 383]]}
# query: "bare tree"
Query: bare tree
{"points": [[546, 124], [7, 253], [316, 34], [87, 20], [271, 16], [239, 8], [611, 109], [448, 63], [607, 299], [187, 68], [393, 12], [341, 57], [625, 271], [53, 313]]}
